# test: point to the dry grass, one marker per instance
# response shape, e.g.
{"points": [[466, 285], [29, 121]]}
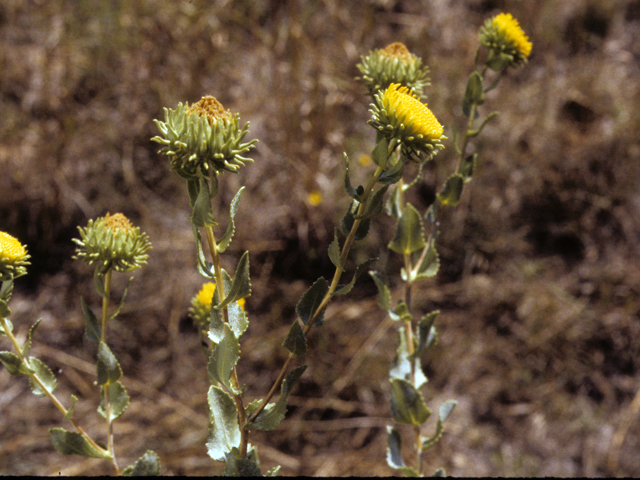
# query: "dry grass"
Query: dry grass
{"points": [[539, 287]]}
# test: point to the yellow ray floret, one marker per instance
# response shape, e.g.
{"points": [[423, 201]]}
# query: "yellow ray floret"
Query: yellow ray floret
{"points": [[510, 28], [11, 250], [414, 114]]}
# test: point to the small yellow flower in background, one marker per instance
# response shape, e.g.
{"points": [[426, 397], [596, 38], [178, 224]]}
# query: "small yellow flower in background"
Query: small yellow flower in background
{"points": [[507, 43], [406, 121], [364, 159], [393, 64], [13, 258], [200, 310], [113, 242], [205, 295], [202, 137], [314, 198]]}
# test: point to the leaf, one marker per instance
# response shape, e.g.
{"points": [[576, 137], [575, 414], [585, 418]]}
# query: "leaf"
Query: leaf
{"points": [[334, 251], [27, 345], [121, 304], [407, 404], [445, 410], [14, 365], [344, 289], [394, 454], [443, 413], [426, 333], [224, 432], [393, 174], [384, 295], [468, 167], [118, 401], [204, 267], [241, 467], [380, 153], [347, 181], [430, 264], [274, 413], [69, 415], [97, 281], [225, 241], [374, 205], [393, 205], [202, 215], [295, 340], [473, 93], [108, 367], [403, 365], [72, 443], [311, 300], [223, 358], [273, 472], [409, 235], [452, 190], [148, 465], [241, 284], [5, 322], [93, 328], [44, 374], [348, 222]]}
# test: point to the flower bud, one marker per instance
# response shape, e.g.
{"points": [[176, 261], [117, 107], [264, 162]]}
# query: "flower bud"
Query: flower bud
{"points": [[506, 42]]}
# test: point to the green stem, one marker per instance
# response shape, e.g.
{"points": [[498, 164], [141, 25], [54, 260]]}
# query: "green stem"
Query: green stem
{"points": [[105, 305], [344, 254]]}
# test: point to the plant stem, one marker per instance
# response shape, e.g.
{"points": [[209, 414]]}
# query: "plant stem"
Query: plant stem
{"points": [[215, 256], [105, 305], [344, 254]]}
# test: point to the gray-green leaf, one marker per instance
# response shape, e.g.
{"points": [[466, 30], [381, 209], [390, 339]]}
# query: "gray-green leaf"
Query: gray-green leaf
{"points": [[223, 358], [224, 432], [118, 401], [311, 300], [108, 367], [225, 241], [394, 454], [14, 365], [409, 235], [93, 328], [148, 465], [452, 190], [72, 443], [44, 374], [241, 284], [407, 404], [384, 295], [295, 340]]}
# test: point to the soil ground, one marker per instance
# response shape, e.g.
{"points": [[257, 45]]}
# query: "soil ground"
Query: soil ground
{"points": [[539, 330]]}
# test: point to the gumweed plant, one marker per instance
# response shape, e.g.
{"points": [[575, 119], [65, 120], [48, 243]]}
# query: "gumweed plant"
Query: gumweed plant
{"points": [[204, 142], [409, 125]]}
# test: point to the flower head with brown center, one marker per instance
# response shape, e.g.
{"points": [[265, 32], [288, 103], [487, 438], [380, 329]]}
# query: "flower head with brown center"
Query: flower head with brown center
{"points": [[405, 121], [202, 139], [393, 64], [507, 43], [13, 258], [113, 242]]}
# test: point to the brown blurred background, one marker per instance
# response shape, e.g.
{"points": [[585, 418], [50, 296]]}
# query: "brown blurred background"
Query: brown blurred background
{"points": [[538, 290]]}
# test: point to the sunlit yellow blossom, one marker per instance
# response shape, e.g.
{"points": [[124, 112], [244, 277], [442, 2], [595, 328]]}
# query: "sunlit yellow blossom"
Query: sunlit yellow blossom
{"points": [[364, 159], [314, 198], [205, 295], [406, 121], [506, 41], [200, 310], [13, 257]]}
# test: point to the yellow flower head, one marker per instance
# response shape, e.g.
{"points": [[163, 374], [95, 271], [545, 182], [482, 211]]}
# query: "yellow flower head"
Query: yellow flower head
{"points": [[314, 198], [205, 295], [393, 64], [407, 122], [507, 43], [202, 137], [200, 310], [113, 242], [13, 258]]}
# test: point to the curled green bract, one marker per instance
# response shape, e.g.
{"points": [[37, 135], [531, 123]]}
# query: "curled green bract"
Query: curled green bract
{"points": [[201, 138], [113, 242]]}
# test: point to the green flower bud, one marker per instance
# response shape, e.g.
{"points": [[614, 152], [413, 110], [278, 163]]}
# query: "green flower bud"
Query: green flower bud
{"points": [[405, 121], [506, 42], [113, 242], [202, 137], [393, 64], [13, 258]]}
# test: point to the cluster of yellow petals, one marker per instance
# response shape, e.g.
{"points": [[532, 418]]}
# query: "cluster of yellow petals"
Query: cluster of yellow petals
{"points": [[413, 112], [510, 28], [205, 295], [117, 222], [11, 250]]}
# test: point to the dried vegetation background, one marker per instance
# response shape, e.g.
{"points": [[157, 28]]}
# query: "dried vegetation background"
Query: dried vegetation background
{"points": [[539, 287]]}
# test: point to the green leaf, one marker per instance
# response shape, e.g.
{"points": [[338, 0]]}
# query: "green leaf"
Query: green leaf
{"points": [[452, 190], [384, 295], [118, 401], [72, 443], [97, 281], [430, 264], [238, 320], [27, 345], [409, 235], [224, 432], [193, 189], [432, 212], [225, 241], [426, 333], [394, 454], [347, 181], [295, 340], [393, 205], [473, 94], [108, 367], [44, 374], [93, 328], [443, 413], [202, 215], [334, 251], [216, 324], [274, 413], [440, 473], [69, 415], [148, 465], [393, 174], [403, 365], [14, 365], [468, 167], [374, 205], [380, 153], [407, 404], [241, 467], [121, 304], [6, 322], [344, 289], [241, 284], [204, 267], [6, 289], [445, 410], [348, 222], [223, 358], [311, 300]]}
